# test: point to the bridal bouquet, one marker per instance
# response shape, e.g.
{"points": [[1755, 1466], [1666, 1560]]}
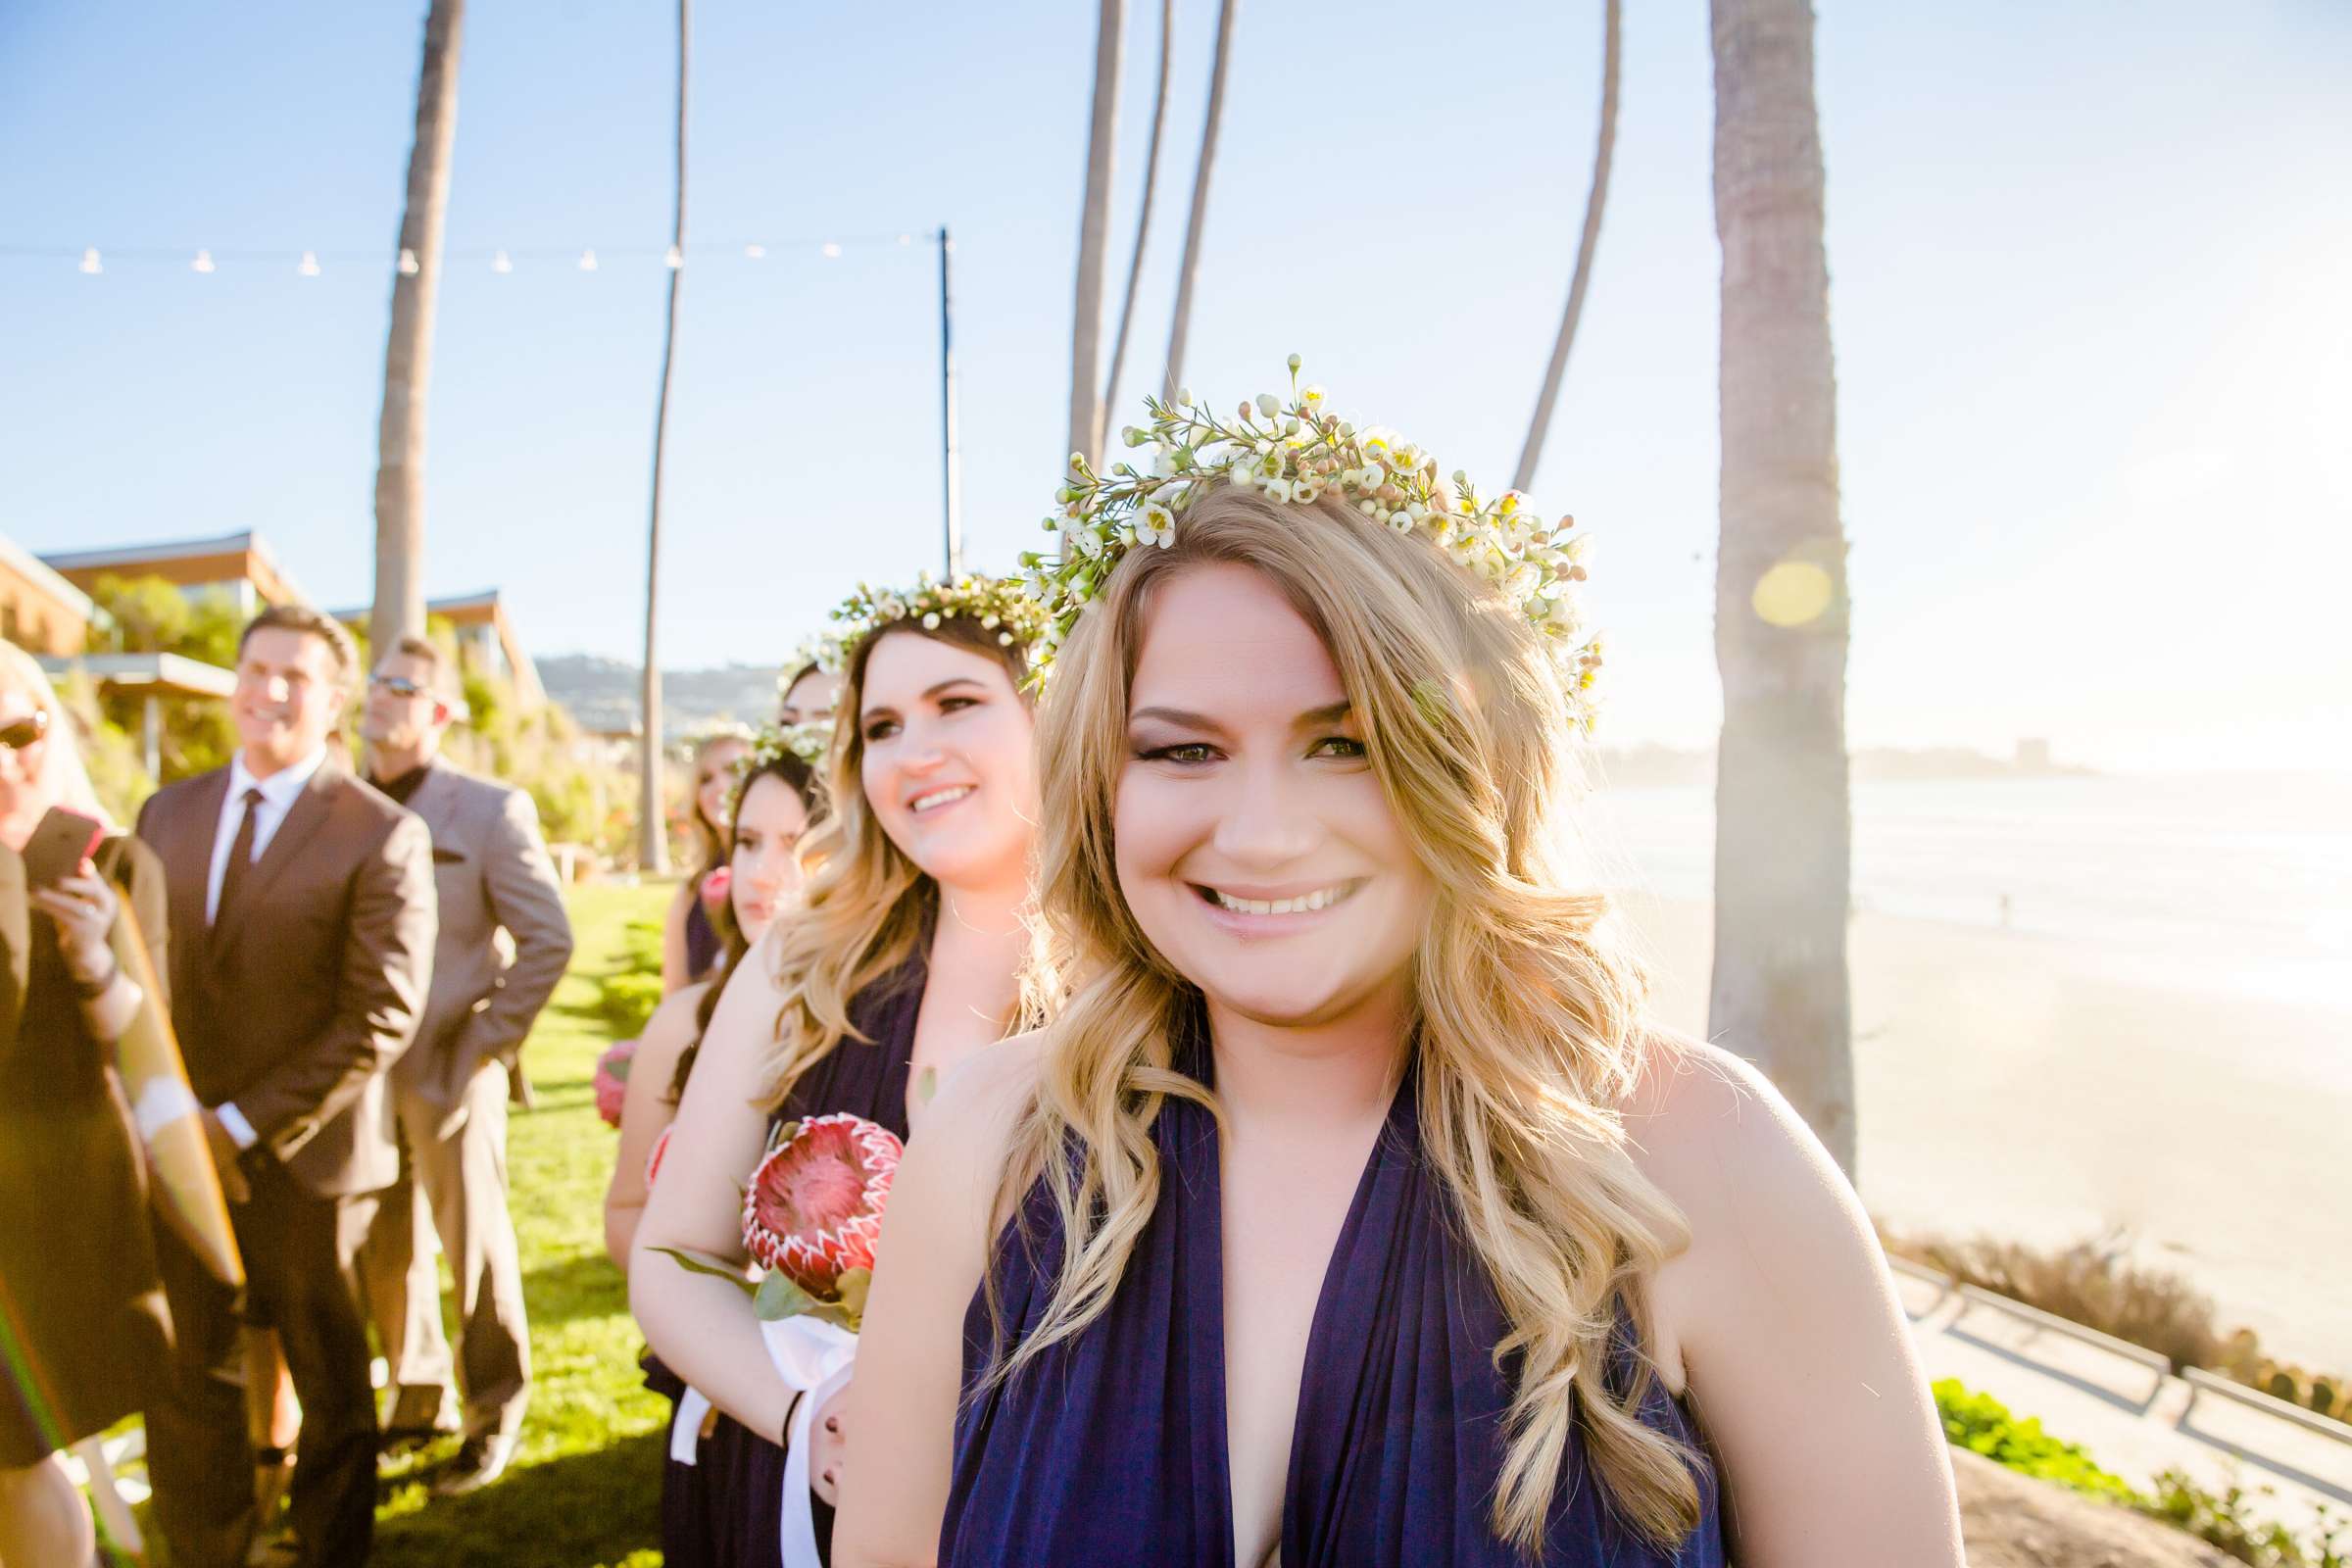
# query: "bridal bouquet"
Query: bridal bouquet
{"points": [[810, 1216], [612, 1080]]}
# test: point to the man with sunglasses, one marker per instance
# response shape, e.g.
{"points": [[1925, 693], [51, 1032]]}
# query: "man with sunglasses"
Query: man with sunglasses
{"points": [[302, 924], [504, 944]]}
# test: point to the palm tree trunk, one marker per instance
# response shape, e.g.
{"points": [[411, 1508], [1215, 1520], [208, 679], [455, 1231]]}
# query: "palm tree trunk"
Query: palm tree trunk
{"points": [[1198, 223], [652, 828], [1142, 221], [1094, 234], [1603, 154], [408, 348], [1782, 820]]}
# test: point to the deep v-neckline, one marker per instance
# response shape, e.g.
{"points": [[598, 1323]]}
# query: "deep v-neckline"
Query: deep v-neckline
{"points": [[1221, 1420]]}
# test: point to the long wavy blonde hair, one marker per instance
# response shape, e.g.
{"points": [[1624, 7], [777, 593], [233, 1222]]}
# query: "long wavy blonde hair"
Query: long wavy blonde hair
{"points": [[863, 904], [1527, 1014]]}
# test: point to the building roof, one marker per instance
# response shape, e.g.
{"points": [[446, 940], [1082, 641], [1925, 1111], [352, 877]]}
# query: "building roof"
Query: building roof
{"points": [[485, 607], [41, 575], [164, 672], [133, 556]]}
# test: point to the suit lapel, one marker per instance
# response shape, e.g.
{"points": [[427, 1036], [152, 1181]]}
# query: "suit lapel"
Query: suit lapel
{"points": [[186, 851], [432, 801], [304, 818]]}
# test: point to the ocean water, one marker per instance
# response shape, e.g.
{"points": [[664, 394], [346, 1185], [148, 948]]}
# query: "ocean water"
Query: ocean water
{"points": [[2233, 882]]}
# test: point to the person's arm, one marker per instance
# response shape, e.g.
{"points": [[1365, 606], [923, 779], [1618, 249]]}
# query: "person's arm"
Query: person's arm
{"points": [[645, 1110], [673, 938], [936, 1234], [1800, 1364], [386, 974], [524, 895], [703, 1327]]}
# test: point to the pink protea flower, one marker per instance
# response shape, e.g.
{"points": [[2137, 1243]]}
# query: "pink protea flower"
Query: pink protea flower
{"points": [[814, 1204], [612, 1080]]}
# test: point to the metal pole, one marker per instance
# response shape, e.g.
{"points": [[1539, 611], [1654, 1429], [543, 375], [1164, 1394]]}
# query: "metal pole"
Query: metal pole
{"points": [[151, 735], [951, 471]]}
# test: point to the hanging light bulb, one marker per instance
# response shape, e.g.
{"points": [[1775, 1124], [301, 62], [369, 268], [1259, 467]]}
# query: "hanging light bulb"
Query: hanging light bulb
{"points": [[587, 260], [905, 239], [90, 262], [202, 263], [408, 262], [832, 251], [672, 260], [500, 263], [756, 251], [309, 264]]}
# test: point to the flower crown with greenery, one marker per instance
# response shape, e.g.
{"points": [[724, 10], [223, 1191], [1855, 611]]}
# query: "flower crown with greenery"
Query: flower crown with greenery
{"points": [[807, 742], [820, 650], [1292, 454], [998, 604]]}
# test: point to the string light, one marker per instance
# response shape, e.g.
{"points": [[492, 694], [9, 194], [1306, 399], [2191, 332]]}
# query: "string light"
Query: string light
{"points": [[500, 263], [408, 262], [202, 263], [672, 260], [754, 252], [90, 262], [832, 251], [587, 260], [309, 264]]}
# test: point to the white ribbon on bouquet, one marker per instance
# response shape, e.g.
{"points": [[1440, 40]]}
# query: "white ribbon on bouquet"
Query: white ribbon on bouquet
{"points": [[686, 1432], [815, 1358]]}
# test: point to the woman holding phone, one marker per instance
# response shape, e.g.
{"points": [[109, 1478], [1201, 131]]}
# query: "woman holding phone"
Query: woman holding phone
{"points": [[82, 1320]]}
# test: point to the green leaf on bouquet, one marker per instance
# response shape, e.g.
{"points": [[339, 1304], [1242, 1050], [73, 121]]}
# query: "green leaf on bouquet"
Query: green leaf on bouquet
{"points": [[618, 1067], [851, 1292], [778, 1297], [704, 1263], [926, 1086]]}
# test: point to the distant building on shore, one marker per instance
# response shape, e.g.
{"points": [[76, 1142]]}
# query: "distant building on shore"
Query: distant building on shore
{"points": [[241, 565], [40, 612], [2034, 757], [485, 634]]}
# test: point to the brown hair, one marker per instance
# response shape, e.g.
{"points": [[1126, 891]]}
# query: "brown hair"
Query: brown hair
{"points": [[311, 623], [435, 661]]}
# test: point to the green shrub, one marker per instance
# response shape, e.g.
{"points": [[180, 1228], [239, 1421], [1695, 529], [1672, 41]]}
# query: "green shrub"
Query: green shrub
{"points": [[2221, 1520], [629, 999], [1982, 1424]]}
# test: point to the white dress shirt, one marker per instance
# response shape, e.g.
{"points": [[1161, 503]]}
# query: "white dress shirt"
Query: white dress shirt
{"points": [[279, 793]]}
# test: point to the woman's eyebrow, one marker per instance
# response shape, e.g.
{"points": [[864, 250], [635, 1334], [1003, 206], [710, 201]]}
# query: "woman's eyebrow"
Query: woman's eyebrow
{"points": [[1182, 718]]}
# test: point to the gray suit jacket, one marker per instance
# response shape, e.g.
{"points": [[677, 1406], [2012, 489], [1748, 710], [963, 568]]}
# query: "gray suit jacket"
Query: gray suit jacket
{"points": [[491, 870], [295, 1005]]}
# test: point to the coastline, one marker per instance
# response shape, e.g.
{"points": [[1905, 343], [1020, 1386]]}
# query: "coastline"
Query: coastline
{"points": [[2029, 1088]]}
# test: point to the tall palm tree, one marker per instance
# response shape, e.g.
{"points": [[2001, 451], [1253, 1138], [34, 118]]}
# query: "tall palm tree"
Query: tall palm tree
{"points": [[1782, 819], [1603, 154], [1143, 219], [1094, 234], [653, 829], [408, 348], [1194, 226]]}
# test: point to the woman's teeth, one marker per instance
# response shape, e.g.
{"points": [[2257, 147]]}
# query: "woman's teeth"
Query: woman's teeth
{"points": [[937, 798], [1306, 903]]}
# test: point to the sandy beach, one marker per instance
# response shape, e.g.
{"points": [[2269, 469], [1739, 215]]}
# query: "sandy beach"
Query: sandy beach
{"points": [[2025, 1086]]}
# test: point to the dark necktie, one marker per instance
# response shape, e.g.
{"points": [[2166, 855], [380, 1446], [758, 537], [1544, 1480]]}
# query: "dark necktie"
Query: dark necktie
{"points": [[240, 860]]}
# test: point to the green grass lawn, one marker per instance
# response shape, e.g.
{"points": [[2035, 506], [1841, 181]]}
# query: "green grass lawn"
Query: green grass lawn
{"points": [[585, 1484]]}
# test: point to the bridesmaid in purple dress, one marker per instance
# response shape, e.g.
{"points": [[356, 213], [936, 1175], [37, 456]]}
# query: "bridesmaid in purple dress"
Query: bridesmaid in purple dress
{"points": [[900, 962], [1351, 1212]]}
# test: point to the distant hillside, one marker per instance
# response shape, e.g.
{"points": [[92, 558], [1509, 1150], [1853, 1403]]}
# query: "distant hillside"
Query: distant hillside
{"points": [[602, 694]]}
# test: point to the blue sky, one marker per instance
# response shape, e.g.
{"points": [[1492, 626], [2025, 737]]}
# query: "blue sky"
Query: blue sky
{"points": [[2093, 349]]}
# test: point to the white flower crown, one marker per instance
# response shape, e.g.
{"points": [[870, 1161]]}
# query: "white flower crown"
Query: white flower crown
{"points": [[998, 604], [1294, 453]]}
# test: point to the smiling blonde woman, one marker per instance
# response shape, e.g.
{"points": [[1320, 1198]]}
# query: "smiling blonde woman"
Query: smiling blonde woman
{"points": [[1351, 1210], [899, 962]]}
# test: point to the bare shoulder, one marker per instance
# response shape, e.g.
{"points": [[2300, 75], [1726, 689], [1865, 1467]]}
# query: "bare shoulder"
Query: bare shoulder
{"points": [[1710, 1129], [979, 1102], [672, 1027]]}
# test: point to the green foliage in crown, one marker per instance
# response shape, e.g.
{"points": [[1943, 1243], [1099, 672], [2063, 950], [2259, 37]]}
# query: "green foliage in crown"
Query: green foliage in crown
{"points": [[1295, 452]]}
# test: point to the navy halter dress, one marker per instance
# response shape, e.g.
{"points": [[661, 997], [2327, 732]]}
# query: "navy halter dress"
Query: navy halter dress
{"points": [[725, 1510], [1109, 1450]]}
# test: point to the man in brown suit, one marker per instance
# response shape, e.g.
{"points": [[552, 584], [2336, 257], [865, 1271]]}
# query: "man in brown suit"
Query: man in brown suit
{"points": [[302, 943], [503, 946]]}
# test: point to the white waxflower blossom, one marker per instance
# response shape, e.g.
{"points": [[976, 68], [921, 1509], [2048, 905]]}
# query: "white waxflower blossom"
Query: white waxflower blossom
{"points": [[1268, 404], [1155, 524], [931, 621], [1278, 491]]}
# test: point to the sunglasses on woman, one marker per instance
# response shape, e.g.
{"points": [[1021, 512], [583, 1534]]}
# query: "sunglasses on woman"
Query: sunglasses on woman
{"points": [[25, 731]]}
